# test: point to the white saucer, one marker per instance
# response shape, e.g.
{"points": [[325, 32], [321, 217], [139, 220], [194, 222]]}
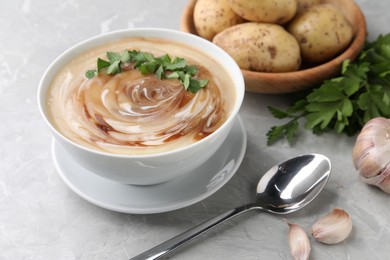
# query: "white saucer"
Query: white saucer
{"points": [[176, 194]]}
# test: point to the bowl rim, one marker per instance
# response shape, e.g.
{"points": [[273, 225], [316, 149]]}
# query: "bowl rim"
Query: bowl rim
{"points": [[353, 50], [152, 32]]}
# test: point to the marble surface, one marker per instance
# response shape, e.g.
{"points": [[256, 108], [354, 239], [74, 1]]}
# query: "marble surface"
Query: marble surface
{"points": [[41, 218]]}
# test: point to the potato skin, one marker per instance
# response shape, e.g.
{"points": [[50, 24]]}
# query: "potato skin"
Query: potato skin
{"points": [[260, 47], [213, 16], [267, 11], [302, 5], [322, 32]]}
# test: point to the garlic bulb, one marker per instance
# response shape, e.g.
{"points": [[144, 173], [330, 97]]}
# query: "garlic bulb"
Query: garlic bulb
{"points": [[333, 228], [299, 242], [371, 153]]}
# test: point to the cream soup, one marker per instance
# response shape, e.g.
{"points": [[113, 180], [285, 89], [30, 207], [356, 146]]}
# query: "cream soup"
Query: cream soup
{"points": [[131, 113]]}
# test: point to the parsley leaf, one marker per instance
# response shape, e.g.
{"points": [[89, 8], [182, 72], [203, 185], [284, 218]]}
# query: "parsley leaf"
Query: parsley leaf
{"points": [[163, 67], [278, 113], [191, 69], [113, 56], [91, 73], [102, 64], [345, 103], [160, 72], [290, 130], [178, 63], [195, 85], [114, 68]]}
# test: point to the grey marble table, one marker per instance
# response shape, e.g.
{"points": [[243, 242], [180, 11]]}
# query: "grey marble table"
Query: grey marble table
{"points": [[41, 218]]}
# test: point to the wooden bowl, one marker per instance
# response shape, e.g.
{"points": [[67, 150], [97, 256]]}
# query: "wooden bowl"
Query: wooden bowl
{"points": [[287, 82]]}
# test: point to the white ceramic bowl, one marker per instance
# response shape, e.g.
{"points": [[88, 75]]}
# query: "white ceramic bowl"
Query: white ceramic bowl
{"points": [[154, 168]]}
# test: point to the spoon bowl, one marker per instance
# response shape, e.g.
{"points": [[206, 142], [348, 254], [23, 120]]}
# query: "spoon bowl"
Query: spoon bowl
{"points": [[285, 188], [292, 184]]}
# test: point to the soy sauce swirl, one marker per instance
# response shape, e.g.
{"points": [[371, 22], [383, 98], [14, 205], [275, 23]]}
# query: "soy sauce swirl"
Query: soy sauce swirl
{"points": [[131, 109]]}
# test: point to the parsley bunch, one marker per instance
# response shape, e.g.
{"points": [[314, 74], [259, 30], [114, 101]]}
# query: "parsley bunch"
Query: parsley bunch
{"points": [[344, 103], [163, 67]]}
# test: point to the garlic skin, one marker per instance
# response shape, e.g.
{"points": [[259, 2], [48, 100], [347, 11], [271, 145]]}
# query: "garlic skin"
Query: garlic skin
{"points": [[371, 153], [299, 242], [333, 228]]}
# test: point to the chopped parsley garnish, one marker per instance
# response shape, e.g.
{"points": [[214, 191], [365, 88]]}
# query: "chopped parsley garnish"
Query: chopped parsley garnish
{"points": [[163, 67]]}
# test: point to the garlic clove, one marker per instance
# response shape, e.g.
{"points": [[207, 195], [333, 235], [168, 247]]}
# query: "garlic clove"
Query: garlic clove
{"points": [[333, 228], [371, 153], [381, 180], [384, 179], [299, 242]]}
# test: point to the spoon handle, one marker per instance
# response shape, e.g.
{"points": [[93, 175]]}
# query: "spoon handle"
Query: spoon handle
{"points": [[177, 241]]}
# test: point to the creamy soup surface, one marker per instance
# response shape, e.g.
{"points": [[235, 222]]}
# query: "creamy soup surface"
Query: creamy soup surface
{"points": [[131, 113]]}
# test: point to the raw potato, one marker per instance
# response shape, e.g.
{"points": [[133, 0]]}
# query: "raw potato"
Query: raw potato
{"points": [[267, 11], [305, 4], [322, 32], [213, 16], [260, 47]]}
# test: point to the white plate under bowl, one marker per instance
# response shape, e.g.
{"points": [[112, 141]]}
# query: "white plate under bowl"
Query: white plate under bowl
{"points": [[168, 196]]}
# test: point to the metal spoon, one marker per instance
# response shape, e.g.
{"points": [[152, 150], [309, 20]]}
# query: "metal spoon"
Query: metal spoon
{"points": [[285, 188]]}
